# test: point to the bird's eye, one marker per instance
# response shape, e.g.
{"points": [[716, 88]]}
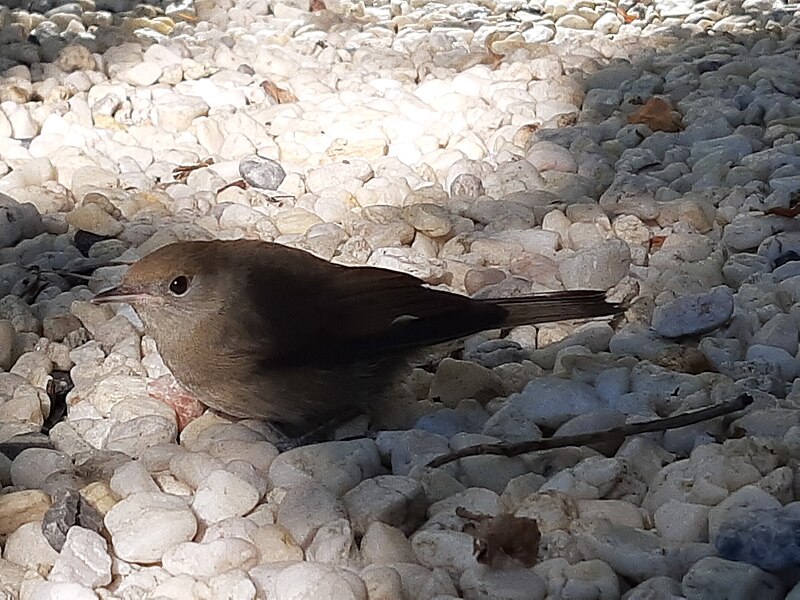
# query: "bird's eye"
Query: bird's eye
{"points": [[179, 286]]}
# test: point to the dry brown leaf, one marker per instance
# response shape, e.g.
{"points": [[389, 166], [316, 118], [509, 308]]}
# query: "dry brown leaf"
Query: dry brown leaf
{"points": [[658, 116], [781, 211], [683, 360], [627, 18], [502, 537], [186, 16], [494, 58], [656, 242], [278, 94]]}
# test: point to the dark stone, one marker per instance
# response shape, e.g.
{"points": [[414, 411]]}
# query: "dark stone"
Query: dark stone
{"points": [[12, 447], [85, 240], [69, 508], [116, 6], [61, 515], [61, 386], [786, 257]]}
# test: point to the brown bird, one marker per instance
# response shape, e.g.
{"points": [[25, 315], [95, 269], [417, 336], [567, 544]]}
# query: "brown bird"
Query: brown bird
{"points": [[260, 330]]}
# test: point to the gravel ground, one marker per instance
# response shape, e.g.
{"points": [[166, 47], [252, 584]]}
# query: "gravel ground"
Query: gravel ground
{"points": [[497, 148]]}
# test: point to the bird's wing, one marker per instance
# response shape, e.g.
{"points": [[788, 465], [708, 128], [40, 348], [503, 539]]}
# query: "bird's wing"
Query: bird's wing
{"points": [[307, 306]]}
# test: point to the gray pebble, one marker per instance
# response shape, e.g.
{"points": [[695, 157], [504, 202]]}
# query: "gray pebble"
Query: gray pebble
{"points": [[693, 314], [33, 466], [262, 173]]}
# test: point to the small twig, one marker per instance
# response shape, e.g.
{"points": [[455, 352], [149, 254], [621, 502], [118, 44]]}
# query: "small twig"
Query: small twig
{"points": [[239, 183], [588, 439], [181, 173], [63, 273]]}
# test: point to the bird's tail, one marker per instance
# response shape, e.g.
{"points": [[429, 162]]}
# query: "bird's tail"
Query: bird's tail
{"points": [[555, 306]]}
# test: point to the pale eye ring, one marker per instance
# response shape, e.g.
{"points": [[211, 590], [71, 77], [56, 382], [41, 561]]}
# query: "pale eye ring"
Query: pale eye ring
{"points": [[179, 286]]}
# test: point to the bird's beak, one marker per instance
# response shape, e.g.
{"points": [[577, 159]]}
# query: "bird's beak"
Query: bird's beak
{"points": [[119, 294]]}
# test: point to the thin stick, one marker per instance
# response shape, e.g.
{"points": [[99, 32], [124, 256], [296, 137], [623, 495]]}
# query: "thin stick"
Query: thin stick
{"points": [[587, 439]]}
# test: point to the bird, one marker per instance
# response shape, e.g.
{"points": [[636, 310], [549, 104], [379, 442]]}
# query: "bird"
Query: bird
{"points": [[260, 330]]}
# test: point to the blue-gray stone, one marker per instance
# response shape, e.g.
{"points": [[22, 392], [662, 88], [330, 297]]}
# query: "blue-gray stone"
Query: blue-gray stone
{"points": [[767, 538], [450, 421], [694, 313], [493, 353], [733, 147]]}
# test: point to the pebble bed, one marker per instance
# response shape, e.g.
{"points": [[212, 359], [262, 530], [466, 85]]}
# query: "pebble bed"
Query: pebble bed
{"points": [[493, 148]]}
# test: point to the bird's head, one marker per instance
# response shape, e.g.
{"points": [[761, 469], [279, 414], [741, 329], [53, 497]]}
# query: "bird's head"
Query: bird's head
{"points": [[182, 279]]}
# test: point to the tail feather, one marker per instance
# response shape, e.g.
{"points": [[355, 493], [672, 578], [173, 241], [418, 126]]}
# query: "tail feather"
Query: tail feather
{"points": [[555, 306], [465, 316]]}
